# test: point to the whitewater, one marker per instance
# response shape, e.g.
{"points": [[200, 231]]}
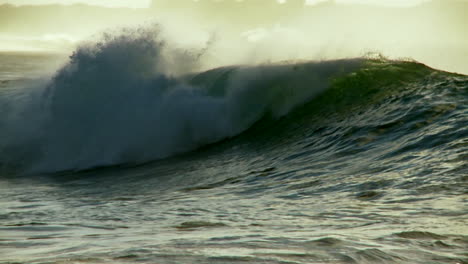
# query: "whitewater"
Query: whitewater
{"points": [[131, 152]]}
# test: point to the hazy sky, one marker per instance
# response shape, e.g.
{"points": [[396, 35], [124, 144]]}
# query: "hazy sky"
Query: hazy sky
{"points": [[145, 3], [124, 3]]}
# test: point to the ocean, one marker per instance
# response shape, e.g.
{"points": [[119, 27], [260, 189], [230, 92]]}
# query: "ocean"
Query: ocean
{"points": [[116, 154]]}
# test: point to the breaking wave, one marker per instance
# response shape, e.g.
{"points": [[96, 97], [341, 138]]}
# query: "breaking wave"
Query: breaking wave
{"points": [[131, 98]]}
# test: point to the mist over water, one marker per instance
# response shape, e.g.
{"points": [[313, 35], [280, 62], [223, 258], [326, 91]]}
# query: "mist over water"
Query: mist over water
{"points": [[253, 32]]}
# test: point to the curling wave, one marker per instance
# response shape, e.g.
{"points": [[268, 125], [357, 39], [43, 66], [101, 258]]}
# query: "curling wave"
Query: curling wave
{"points": [[126, 99]]}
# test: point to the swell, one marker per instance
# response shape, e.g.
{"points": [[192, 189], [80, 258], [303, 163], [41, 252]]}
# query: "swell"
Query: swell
{"points": [[397, 98], [382, 121]]}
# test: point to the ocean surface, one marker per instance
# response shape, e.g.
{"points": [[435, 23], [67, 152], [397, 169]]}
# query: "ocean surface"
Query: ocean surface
{"points": [[117, 155]]}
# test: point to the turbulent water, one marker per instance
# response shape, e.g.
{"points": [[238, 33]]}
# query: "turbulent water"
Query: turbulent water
{"points": [[125, 155]]}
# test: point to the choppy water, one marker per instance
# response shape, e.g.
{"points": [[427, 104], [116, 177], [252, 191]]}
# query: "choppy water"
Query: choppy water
{"points": [[348, 161]]}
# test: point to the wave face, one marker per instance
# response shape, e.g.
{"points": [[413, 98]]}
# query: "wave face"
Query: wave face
{"points": [[127, 100]]}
